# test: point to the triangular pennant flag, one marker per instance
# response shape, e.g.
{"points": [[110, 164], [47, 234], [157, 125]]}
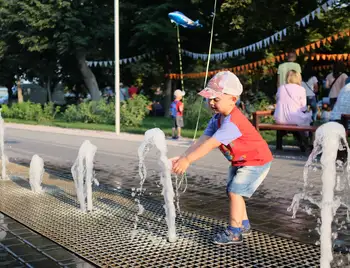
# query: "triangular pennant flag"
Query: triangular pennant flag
{"points": [[302, 49], [307, 47], [317, 57], [330, 2], [329, 39], [303, 21], [340, 57], [272, 38], [298, 23], [307, 18], [297, 51], [285, 31], [125, 61], [323, 56], [329, 57], [89, 63], [336, 36], [313, 46], [282, 56], [318, 44], [111, 63], [313, 14], [324, 7], [318, 11]]}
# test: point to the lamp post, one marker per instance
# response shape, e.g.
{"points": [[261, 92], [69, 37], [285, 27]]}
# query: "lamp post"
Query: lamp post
{"points": [[116, 67]]}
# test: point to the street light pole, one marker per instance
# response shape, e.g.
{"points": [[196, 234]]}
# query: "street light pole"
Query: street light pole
{"points": [[116, 67]]}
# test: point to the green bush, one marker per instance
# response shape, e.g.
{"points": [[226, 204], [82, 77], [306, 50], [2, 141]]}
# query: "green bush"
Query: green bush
{"points": [[30, 111], [133, 111], [90, 112], [193, 105]]}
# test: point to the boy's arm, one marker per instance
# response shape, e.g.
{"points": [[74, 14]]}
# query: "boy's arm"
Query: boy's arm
{"points": [[195, 145], [203, 149], [181, 107]]}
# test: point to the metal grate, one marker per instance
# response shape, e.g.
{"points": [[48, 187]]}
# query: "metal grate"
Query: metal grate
{"points": [[104, 236]]}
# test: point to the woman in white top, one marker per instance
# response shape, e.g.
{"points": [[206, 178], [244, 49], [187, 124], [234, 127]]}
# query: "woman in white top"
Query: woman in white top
{"points": [[310, 83], [335, 81]]}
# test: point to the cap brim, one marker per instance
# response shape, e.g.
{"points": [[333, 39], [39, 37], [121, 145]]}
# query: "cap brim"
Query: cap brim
{"points": [[206, 94]]}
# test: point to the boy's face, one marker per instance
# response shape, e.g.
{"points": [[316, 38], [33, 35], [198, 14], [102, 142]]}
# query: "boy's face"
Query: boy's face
{"points": [[223, 104], [178, 97]]}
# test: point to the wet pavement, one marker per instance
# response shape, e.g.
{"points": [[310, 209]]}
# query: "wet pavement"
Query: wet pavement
{"points": [[117, 165], [21, 247]]}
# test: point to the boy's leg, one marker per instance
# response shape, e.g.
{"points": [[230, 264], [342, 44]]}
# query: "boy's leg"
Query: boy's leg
{"points": [[179, 131], [242, 181]]}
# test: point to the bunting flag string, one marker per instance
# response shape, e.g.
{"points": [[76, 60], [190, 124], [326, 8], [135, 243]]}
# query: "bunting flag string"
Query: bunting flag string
{"points": [[334, 57], [121, 61], [279, 58], [278, 36]]}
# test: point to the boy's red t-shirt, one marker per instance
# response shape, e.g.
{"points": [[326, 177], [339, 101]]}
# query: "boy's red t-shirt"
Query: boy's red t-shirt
{"points": [[241, 143]]}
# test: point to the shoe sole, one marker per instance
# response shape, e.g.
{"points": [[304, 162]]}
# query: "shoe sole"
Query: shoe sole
{"points": [[247, 234]]}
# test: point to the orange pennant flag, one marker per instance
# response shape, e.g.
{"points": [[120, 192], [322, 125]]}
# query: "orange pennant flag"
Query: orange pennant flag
{"points": [[313, 46], [346, 55], [255, 64], [278, 58], [238, 68], [347, 32], [250, 66], [282, 56], [312, 58], [318, 44], [329, 39], [302, 49], [329, 57], [317, 57], [336, 36], [308, 47], [323, 56], [297, 51], [324, 41]]}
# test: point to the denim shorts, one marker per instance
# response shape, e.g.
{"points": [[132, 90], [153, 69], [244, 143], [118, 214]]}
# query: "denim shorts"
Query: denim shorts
{"points": [[244, 180]]}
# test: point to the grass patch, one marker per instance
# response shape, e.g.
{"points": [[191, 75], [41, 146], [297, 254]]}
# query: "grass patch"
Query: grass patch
{"points": [[163, 123]]}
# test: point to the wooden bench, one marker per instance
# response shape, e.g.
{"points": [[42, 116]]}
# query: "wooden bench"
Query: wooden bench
{"points": [[278, 127]]}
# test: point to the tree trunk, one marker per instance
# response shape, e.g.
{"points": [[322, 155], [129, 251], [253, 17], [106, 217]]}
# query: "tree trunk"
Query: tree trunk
{"points": [[49, 88], [19, 92], [88, 76]]}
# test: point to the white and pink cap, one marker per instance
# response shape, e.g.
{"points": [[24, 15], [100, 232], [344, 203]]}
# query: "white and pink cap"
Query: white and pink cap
{"points": [[222, 83]]}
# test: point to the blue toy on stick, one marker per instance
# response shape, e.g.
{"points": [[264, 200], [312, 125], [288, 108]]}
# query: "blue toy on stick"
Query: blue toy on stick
{"points": [[180, 19]]}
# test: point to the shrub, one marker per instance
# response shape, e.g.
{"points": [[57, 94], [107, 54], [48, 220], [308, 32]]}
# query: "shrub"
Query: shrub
{"points": [[133, 111], [30, 111], [90, 112], [193, 105]]}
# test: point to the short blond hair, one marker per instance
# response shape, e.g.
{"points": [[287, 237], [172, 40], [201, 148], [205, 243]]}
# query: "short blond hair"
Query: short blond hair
{"points": [[293, 77]]}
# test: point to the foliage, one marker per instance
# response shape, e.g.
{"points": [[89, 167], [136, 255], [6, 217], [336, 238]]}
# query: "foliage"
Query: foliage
{"points": [[193, 105], [30, 111], [133, 111], [91, 112]]}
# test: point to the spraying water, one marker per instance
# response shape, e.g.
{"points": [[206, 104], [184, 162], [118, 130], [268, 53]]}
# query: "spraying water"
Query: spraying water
{"points": [[155, 137], [36, 172], [83, 175], [2, 148], [329, 138]]}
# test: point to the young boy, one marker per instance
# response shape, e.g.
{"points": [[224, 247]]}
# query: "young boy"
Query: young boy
{"points": [[177, 109], [248, 153]]}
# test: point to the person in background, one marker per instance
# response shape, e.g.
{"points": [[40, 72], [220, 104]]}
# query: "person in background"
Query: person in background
{"points": [[124, 95], [335, 81], [132, 91], [291, 107], [310, 83], [342, 106], [284, 68], [176, 111]]}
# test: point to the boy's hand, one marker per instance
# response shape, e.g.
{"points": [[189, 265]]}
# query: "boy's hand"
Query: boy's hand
{"points": [[181, 165]]}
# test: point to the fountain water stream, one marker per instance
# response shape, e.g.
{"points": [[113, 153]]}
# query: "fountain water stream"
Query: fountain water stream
{"points": [[155, 137], [2, 148], [36, 172], [329, 138], [83, 175]]}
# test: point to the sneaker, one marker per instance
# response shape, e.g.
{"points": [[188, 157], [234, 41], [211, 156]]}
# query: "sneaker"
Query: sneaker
{"points": [[246, 231], [227, 237], [174, 137]]}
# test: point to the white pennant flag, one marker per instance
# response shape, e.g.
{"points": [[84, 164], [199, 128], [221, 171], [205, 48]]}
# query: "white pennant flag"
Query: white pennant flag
{"points": [[111, 63], [276, 36], [330, 2], [303, 21], [120, 62], [230, 54], [268, 41], [260, 44], [324, 7], [235, 52], [89, 63], [307, 18], [298, 23], [313, 14], [285, 31], [318, 11], [125, 61], [272, 39]]}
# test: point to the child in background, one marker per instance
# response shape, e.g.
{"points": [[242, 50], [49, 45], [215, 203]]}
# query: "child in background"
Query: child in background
{"points": [[249, 155], [176, 111]]}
